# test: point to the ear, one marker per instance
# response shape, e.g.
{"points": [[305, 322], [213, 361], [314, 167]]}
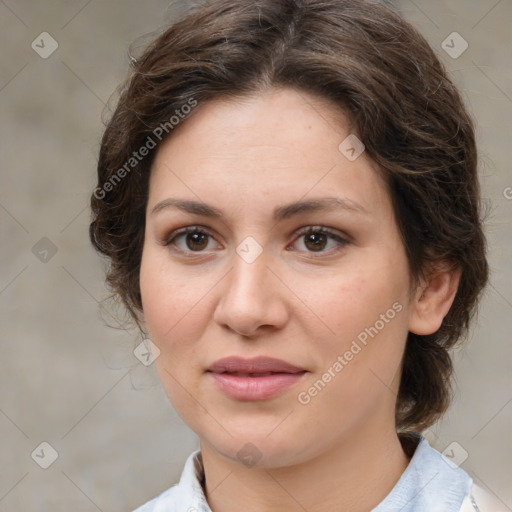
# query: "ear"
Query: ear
{"points": [[433, 299]]}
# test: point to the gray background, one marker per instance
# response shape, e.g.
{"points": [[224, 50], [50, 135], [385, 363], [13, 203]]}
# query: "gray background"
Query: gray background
{"points": [[69, 380]]}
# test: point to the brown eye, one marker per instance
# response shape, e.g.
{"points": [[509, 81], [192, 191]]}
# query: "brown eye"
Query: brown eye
{"points": [[316, 241], [189, 240], [320, 240], [196, 241]]}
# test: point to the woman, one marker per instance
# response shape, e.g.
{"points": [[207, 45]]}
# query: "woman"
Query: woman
{"points": [[288, 195]]}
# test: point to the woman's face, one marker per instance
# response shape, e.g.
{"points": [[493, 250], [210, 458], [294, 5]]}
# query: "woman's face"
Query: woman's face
{"points": [[297, 257]]}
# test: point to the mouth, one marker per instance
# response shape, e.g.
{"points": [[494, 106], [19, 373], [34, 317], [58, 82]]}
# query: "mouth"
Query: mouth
{"points": [[259, 378], [240, 374], [254, 367]]}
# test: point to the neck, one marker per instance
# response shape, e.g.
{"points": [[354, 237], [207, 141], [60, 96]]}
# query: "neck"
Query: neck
{"points": [[354, 475]]}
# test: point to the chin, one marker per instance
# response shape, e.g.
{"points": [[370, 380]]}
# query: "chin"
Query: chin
{"points": [[255, 449]]}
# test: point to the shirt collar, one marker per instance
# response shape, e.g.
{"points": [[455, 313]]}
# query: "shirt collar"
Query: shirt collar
{"points": [[430, 483]]}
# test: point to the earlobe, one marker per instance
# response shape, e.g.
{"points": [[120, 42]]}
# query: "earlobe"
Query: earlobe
{"points": [[433, 300]]}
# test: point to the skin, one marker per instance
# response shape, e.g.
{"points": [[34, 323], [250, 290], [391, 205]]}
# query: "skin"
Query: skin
{"points": [[298, 302]]}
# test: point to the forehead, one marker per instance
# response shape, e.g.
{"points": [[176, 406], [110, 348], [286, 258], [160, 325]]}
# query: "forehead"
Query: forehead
{"points": [[285, 118], [281, 144]]}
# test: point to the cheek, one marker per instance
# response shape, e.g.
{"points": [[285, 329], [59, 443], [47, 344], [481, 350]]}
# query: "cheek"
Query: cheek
{"points": [[358, 365], [172, 305], [355, 299], [366, 310], [174, 314]]}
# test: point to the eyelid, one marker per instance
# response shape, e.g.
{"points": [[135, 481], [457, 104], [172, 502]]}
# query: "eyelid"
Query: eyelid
{"points": [[342, 240], [322, 229], [167, 241], [185, 230]]}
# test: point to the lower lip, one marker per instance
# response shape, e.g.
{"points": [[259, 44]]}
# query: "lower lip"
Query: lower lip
{"points": [[254, 388]]}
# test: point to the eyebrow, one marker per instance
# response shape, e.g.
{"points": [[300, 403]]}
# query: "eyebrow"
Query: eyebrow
{"points": [[280, 213]]}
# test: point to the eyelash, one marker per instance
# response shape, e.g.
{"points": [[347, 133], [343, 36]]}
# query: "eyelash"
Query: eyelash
{"points": [[170, 240]]}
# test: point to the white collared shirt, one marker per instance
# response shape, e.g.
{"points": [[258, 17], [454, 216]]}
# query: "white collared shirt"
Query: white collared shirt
{"points": [[430, 483]]}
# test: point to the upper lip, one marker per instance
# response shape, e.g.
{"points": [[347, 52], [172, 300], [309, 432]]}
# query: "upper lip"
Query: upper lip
{"points": [[260, 364]]}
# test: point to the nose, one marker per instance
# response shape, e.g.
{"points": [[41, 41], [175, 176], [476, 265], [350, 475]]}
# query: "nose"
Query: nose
{"points": [[253, 298]]}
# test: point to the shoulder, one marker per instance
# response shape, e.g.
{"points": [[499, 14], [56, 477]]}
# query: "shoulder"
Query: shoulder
{"points": [[185, 496], [479, 500]]}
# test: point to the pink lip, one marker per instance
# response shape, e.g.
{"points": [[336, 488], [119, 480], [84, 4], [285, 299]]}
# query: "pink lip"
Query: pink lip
{"points": [[261, 364], [268, 377]]}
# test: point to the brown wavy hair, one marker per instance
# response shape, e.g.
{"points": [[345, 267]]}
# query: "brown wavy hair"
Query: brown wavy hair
{"points": [[364, 58]]}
